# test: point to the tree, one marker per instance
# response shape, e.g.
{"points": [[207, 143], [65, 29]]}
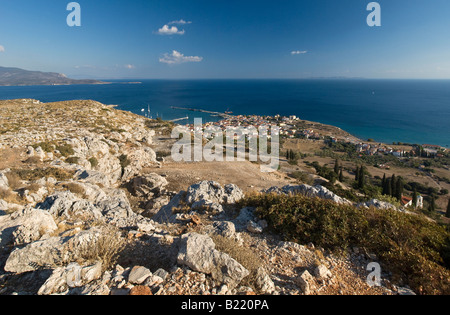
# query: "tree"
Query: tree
{"points": [[361, 178], [432, 205], [414, 198], [448, 210], [341, 176], [393, 186], [336, 167], [357, 174], [399, 189], [389, 187], [384, 185]]}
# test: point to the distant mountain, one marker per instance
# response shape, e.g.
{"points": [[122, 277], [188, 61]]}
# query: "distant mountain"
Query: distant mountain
{"points": [[16, 76]]}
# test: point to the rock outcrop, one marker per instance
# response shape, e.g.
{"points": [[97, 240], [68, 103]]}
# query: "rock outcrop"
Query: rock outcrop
{"points": [[309, 191]]}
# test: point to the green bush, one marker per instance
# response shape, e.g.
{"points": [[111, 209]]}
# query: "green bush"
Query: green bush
{"points": [[93, 161], [124, 161], [66, 150], [412, 248], [38, 173], [47, 146], [72, 160]]}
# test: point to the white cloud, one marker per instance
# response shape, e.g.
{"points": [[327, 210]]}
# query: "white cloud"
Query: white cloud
{"points": [[2, 49], [130, 67], [176, 58], [180, 22], [170, 30], [299, 52]]}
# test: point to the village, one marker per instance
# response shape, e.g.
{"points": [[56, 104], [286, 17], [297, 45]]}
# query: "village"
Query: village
{"points": [[291, 128]]}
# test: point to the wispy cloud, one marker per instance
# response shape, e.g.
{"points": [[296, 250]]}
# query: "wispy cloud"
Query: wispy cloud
{"points": [[180, 22], [2, 48], [299, 52], [130, 67], [170, 30], [177, 58]]}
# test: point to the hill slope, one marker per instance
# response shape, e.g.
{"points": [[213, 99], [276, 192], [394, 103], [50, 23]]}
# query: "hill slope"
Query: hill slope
{"points": [[17, 76]]}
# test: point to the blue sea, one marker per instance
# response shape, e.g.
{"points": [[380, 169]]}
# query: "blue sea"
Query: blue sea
{"points": [[410, 111]]}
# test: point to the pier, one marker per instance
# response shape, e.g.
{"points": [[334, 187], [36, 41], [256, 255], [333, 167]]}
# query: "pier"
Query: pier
{"points": [[223, 115], [179, 119]]}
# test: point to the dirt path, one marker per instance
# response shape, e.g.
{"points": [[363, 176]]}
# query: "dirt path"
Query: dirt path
{"points": [[246, 175]]}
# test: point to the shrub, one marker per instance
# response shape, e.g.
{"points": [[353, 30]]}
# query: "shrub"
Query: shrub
{"points": [[412, 248], [72, 160], [38, 173], [105, 248], [14, 180], [93, 161], [8, 196], [75, 188], [47, 146], [66, 150], [124, 161]]}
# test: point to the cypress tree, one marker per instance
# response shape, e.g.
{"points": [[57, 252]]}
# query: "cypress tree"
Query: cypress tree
{"points": [[414, 198], [399, 189], [432, 205], [448, 210], [341, 176], [336, 167], [389, 187], [383, 185], [357, 174], [393, 186], [361, 178]]}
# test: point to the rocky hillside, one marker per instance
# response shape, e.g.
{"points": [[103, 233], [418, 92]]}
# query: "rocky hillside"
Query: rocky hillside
{"points": [[16, 77], [82, 211]]}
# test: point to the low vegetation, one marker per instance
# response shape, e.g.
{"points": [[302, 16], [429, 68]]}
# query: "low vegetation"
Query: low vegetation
{"points": [[38, 173], [105, 248], [414, 249]]}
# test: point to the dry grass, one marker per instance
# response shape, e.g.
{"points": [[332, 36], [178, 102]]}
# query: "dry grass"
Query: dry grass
{"points": [[8, 196], [14, 180], [75, 188], [106, 248]]}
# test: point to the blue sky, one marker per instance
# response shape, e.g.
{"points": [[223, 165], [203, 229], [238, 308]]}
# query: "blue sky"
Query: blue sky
{"points": [[228, 39]]}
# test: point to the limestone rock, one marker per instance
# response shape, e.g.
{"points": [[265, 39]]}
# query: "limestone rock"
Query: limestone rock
{"points": [[306, 282], [198, 253], [263, 282], [72, 276], [139, 274], [309, 191], [25, 226], [149, 185]]}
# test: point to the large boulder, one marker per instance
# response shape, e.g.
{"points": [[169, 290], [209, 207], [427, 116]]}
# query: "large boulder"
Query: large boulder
{"points": [[198, 253], [138, 159], [149, 185], [25, 226], [50, 252], [109, 204], [206, 195]]}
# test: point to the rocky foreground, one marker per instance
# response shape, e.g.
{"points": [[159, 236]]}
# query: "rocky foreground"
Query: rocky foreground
{"points": [[81, 212]]}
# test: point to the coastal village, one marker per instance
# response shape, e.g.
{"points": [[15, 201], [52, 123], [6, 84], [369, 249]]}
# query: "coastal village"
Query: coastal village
{"points": [[290, 127]]}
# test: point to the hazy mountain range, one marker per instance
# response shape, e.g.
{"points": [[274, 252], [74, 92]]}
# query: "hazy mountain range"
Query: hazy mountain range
{"points": [[16, 76]]}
